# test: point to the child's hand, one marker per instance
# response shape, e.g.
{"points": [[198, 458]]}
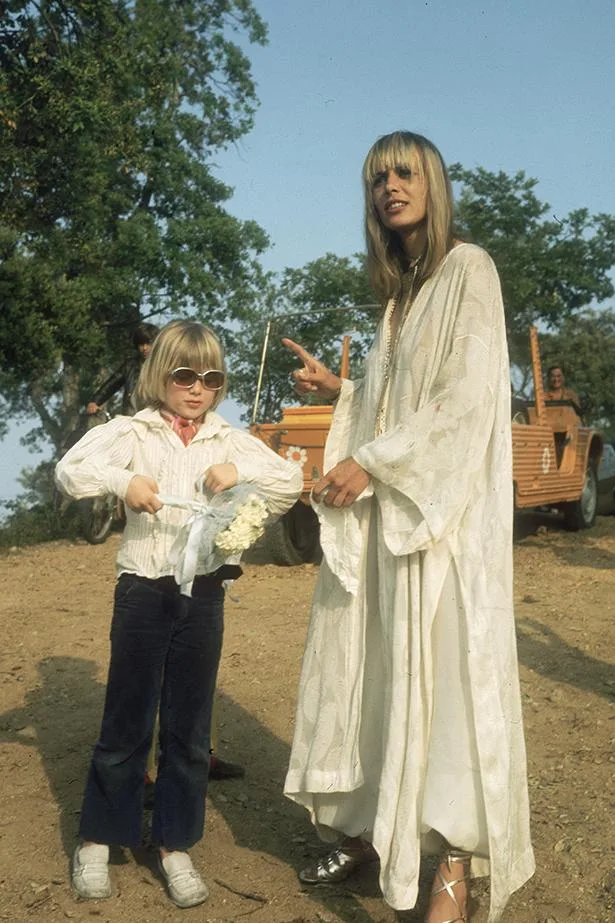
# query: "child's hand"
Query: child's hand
{"points": [[220, 477], [141, 495]]}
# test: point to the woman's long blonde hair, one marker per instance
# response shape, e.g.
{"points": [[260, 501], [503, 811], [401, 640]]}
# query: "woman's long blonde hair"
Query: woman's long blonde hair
{"points": [[181, 343], [386, 260]]}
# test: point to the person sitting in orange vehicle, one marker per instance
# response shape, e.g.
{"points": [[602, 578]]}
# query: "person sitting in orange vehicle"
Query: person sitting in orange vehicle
{"points": [[557, 391]]}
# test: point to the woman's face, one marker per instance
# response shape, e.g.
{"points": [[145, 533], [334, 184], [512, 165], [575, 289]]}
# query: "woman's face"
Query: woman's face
{"points": [[400, 197]]}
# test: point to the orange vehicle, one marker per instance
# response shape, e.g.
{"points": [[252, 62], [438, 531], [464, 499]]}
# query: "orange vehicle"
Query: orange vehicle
{"points": [[555, 457], [555, 462], [300, 436]]}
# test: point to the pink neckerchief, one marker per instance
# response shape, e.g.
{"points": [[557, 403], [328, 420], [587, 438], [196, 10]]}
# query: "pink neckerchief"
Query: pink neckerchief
{"points": [[185, 429]]}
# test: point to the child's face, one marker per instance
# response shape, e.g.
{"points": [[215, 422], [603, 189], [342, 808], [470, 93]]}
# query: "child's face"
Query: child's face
{"points": [[190, 403]]}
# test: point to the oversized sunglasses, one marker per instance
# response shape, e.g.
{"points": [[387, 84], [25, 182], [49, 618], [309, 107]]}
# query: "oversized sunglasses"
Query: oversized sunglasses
{"points": [[212, 379]]}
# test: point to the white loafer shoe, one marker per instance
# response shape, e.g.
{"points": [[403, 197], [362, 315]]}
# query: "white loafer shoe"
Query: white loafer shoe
{"points": [[185, 885], [90, 876]]}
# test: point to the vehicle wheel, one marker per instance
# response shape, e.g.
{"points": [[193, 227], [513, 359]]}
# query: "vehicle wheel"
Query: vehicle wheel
{"points": [[518, 411], [581, 513], [97, 518], [295, 538], [60, 502], [520, 416]]}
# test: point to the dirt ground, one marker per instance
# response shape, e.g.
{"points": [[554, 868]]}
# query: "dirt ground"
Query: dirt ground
{"points": [[56, 605]]}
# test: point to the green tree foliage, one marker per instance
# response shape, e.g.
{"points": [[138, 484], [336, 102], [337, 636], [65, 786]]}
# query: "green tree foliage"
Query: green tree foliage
{"points": [[550, 267], [315, 306], [110, 114], [585, 348]]}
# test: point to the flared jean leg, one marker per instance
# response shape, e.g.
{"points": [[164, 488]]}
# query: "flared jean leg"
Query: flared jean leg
{"points": [[141, 630], [185, 719]]}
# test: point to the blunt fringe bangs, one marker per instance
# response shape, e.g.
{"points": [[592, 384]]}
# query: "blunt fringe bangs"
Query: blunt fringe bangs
{"points": [[181, 343], [385, 255]]}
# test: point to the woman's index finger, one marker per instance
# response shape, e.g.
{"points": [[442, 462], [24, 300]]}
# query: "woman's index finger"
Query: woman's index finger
{"points": [[298, 350]]}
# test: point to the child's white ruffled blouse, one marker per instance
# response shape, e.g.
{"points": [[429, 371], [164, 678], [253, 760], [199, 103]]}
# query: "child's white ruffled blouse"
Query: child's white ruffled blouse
{"points": [[108, 456]]}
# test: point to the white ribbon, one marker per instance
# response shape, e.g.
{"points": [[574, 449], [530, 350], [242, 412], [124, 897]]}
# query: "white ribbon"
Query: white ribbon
{"points": [[185, 549]]}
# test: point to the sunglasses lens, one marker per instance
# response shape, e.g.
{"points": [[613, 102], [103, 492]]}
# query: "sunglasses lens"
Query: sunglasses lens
{"points": [[213, 380], [185, 378]]}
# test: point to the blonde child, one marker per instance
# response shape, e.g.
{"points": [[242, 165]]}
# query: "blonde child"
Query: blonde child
{"points": [[165, 646]]}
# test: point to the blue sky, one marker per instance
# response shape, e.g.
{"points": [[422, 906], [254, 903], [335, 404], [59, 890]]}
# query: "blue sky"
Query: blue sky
{"points": [[508, 86], [528, 85]]}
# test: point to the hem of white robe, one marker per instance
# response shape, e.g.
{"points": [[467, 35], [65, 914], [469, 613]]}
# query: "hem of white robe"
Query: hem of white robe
{"points": [[302, 786], [521, 871], [405, 899]]}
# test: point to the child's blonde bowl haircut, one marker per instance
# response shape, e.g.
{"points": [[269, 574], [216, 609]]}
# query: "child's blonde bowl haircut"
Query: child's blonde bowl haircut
{"points": [[181, 344]]}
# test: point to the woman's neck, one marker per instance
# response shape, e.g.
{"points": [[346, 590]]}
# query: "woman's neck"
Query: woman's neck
{"points": [[414, 243]]}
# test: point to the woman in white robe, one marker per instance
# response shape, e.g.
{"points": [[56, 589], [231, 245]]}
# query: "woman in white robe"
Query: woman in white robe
{"points": [[409, 731]]}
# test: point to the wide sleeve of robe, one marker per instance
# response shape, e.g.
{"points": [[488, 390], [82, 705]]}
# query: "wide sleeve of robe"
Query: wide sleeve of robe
{"points": [[427, 466], [446, 440]]}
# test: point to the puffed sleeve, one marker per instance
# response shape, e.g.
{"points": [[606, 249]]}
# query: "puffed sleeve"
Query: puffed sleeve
{"points": [[426, 468], [99, 463], [279, 481]]}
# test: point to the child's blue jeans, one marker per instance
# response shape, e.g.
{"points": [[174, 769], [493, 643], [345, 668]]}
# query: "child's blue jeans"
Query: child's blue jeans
{"points": [[165, 648]]}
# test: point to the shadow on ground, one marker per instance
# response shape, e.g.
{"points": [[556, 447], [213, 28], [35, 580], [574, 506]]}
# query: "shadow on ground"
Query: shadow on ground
{"points": [[576, 548], [546, 653], [56, 718], [60, 718]]}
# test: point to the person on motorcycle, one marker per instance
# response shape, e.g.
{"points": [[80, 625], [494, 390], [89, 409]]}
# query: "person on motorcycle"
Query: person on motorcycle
{"points": [[127, 375]]}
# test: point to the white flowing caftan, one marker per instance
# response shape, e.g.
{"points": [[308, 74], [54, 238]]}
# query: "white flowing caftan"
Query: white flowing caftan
{"points": [[409, 716]]}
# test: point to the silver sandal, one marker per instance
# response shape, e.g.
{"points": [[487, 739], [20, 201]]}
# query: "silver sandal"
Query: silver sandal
{"points": [[451, 857], [337, 865]]}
